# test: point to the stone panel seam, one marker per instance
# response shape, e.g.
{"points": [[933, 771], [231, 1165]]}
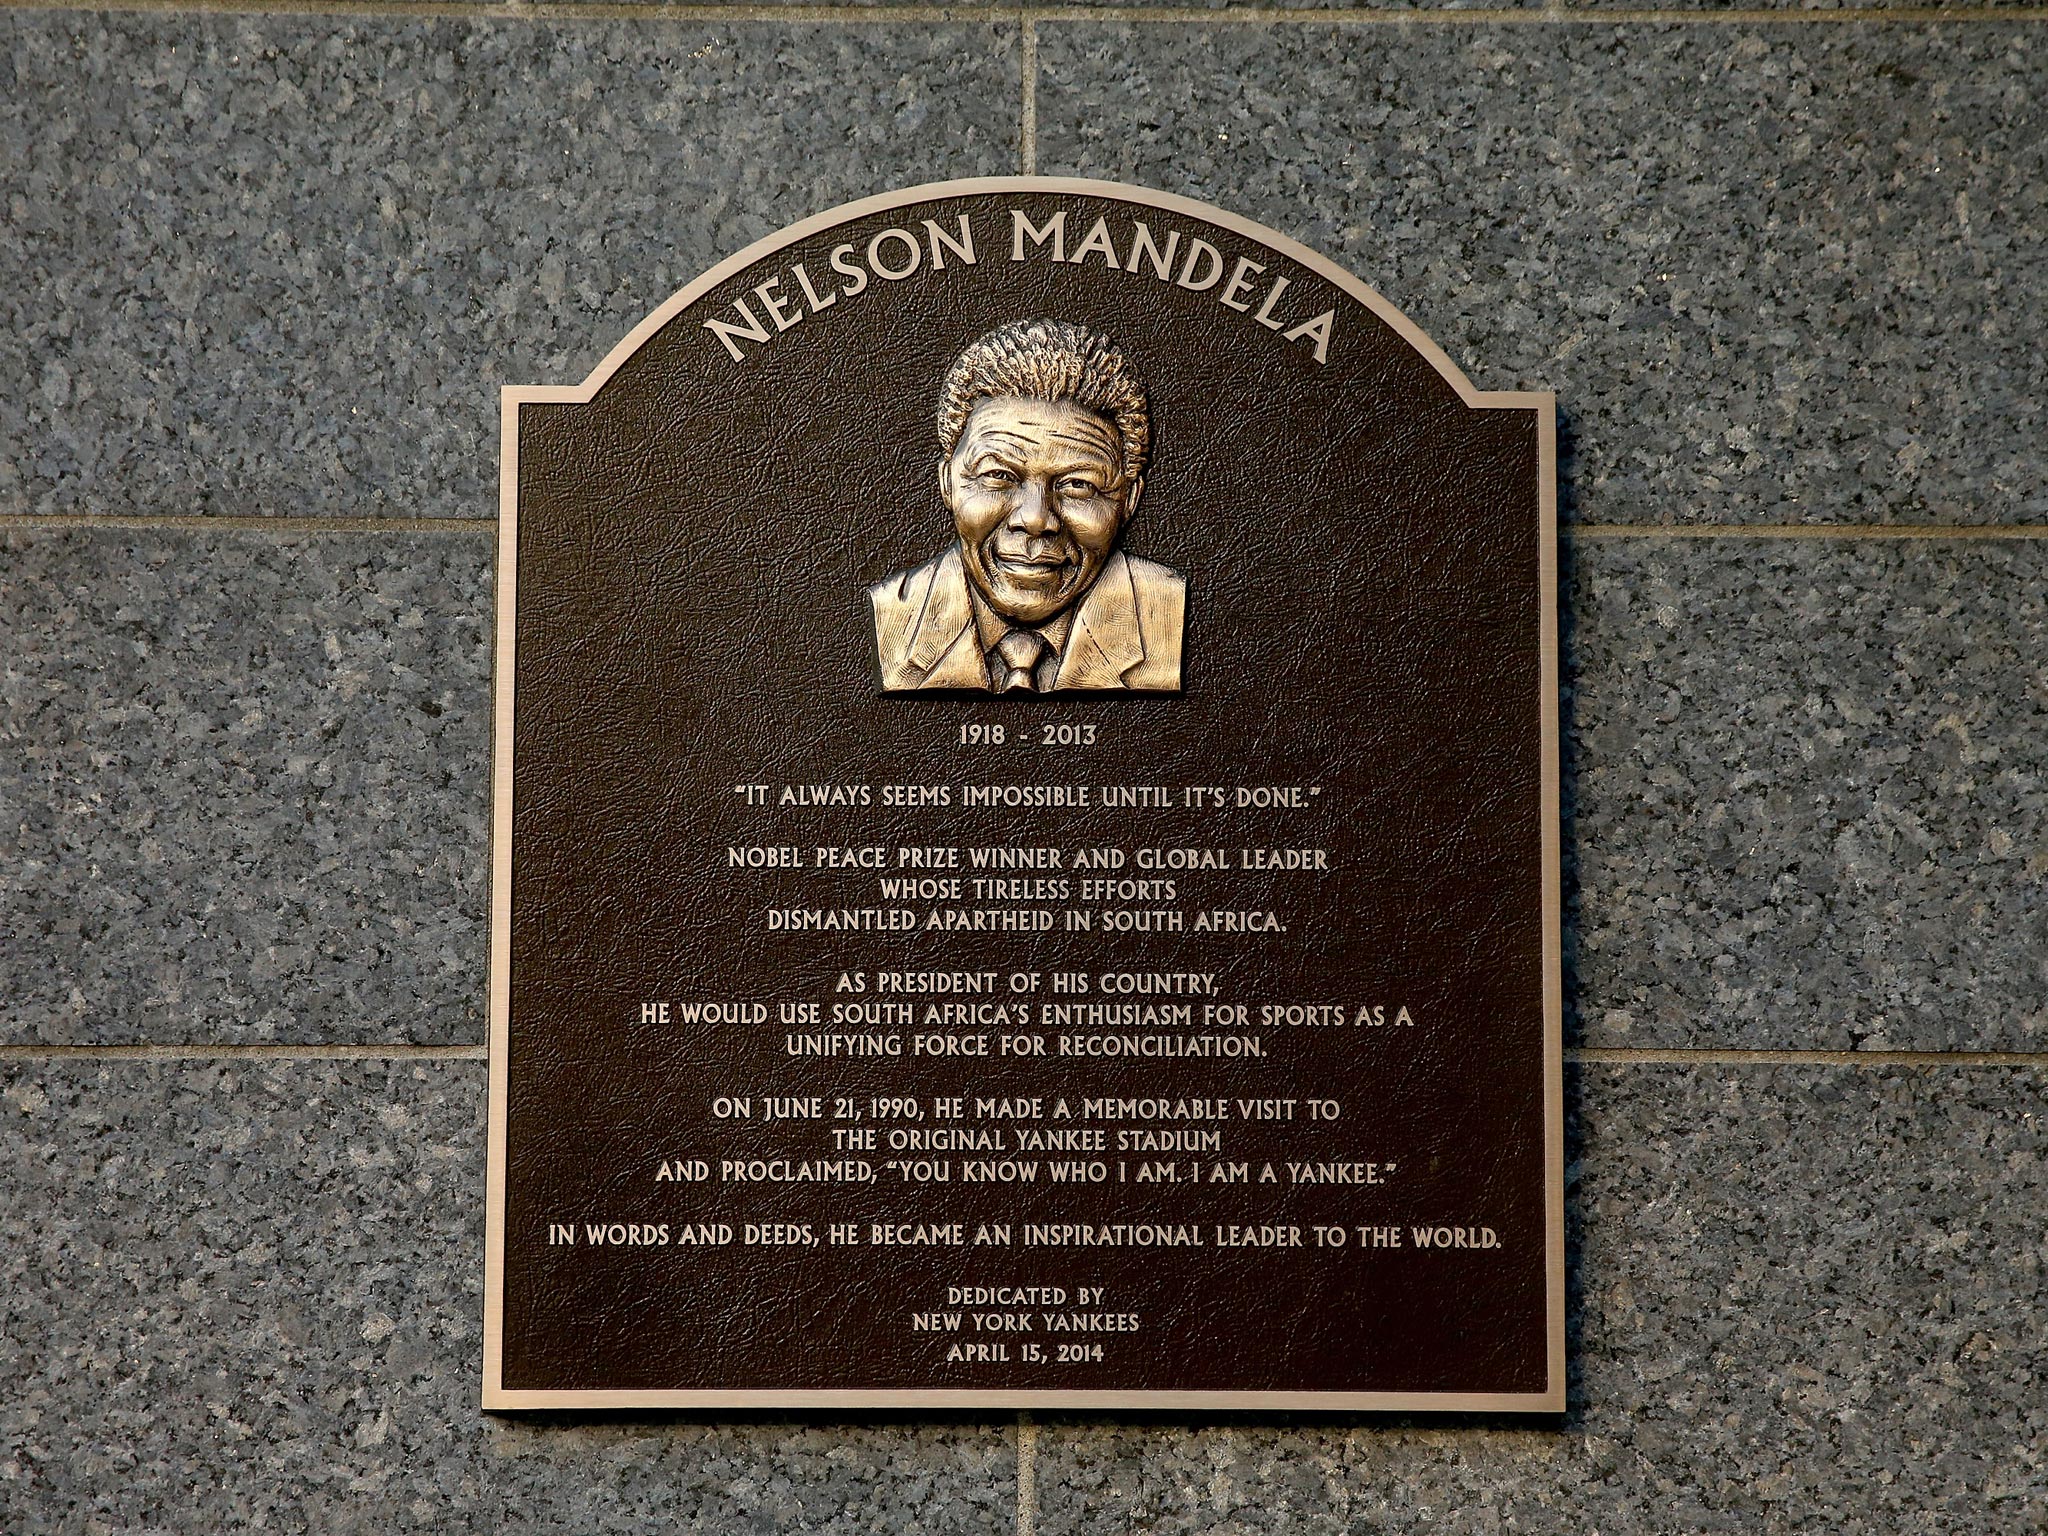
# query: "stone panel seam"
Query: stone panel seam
{"points": [[542, 10], [1892, 531], [853, 14], [243, 1053], [1628, 1056], [1027, 1474], [1548, 15], [1027, 121], [246, 523]]}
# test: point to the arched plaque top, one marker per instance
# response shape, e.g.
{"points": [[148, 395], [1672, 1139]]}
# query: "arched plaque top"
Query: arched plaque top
{"points": [[1165, 202]]}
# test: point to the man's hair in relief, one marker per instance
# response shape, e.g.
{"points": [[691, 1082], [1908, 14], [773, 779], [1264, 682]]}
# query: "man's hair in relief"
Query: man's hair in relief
{"points": [[1049, 360]]}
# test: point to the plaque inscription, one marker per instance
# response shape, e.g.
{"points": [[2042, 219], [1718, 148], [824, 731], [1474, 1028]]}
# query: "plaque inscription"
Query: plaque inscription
{"points": [[1025, 838]]}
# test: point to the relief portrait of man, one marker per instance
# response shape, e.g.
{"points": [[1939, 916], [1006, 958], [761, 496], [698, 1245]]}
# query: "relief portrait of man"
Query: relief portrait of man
{"points": [[1044, 435]]}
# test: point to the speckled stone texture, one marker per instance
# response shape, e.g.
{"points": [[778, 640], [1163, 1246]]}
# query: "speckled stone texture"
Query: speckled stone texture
{"points": [[1775, 273], [282, 264], [243, 1297], [1805, 1300], [1807, 793], [245, 782]]}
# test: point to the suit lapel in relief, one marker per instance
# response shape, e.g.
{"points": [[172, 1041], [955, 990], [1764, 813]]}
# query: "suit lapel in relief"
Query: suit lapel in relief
{"points": [[1106, 642], [899, 605], [941, 620], [945, 653], [962, 666]]}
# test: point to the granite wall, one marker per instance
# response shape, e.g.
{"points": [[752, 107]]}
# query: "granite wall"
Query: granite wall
{"points": [[262, 270]]}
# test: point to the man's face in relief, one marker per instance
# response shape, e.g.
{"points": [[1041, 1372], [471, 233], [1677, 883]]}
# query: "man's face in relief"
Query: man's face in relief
{"points": [[1038, 495]]}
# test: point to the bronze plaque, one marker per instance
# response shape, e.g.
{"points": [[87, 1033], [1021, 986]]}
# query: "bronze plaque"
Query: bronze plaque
{"points": [[1026, 845]]}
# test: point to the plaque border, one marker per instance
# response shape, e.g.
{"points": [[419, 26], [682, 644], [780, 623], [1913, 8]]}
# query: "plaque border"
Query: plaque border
{"points": [[496, 1397]]}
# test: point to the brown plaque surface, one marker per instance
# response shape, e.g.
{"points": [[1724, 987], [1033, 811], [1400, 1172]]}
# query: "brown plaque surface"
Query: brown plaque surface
{"points": [[1025, 847]]}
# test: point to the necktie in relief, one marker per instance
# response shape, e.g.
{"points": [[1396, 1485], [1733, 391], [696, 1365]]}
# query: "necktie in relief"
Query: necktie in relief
{"points": [[1021, 651]]}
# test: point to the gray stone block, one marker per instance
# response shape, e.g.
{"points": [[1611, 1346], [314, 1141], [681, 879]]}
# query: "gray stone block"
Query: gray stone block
{"points": [[1803, 1300], [282, 264], [246, 781], [1807, 782], [247, 1296], [1775, 273], [1804, 786]]}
